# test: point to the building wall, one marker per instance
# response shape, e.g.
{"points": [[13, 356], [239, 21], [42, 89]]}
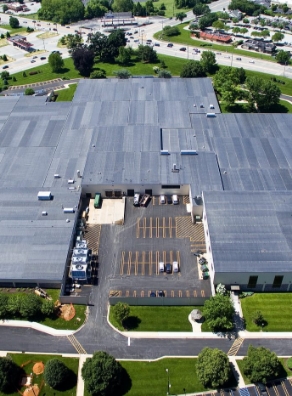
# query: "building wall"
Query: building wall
{"points": [[264, 283], [156, 189]]}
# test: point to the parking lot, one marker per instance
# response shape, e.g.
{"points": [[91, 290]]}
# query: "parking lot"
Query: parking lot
{"points": [[130, 254]]}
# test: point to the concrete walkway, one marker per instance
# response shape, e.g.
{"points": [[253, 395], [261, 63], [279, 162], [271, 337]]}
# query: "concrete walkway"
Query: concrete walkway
{"points": [[80, 382], [36, 326]]}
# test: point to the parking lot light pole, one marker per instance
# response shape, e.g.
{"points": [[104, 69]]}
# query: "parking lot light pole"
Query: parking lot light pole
{"points": [[168, 385]]}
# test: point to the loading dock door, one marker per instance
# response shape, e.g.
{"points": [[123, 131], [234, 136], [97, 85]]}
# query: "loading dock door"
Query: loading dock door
{"points": [[130, 193], [149, 192]]}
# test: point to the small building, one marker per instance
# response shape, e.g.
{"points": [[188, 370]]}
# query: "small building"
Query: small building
{"points": [[21, 42], [15, 6], [216, 36], [259, 46]]}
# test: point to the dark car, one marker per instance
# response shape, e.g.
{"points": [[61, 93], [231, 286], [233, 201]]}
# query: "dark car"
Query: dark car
{"points": [[5, 67], [202, 261], [204, 268], [183, 49], [157, 45], [170, 45], [169, 199], [262, 388], [152, 294], [42, 58], [168, 268], [239, 59], [161, 293]]}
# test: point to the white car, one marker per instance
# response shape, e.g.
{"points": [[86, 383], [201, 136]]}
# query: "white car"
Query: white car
{"points": [[162, 199], [251, 61], [175, 199]]}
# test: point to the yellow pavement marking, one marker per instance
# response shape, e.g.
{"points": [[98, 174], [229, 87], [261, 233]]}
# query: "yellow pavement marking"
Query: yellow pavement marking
{"points": [[235, 347], [76, 344], [122, 263]]}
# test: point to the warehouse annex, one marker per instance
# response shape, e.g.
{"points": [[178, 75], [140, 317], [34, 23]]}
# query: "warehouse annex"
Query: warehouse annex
{"points": [[145, 134]]}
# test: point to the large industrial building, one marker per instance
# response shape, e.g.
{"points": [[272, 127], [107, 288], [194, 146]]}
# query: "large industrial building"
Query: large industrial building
{"points": [[159, 136]]}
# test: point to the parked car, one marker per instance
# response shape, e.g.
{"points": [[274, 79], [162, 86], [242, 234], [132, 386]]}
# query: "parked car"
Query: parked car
{"points": [[136, 199], [169, 199], [34, 57], [161, 293], [175, 266], [175, 199], [252, 61], [204, 268], [152, 294], [183, 49], [261, 387], [168, 268], [161, 267], [157, 45], [32, 61], [162, 199], [202, 261]]}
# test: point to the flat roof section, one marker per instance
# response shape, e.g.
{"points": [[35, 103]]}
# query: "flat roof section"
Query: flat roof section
{"points": [[250, 231], [34, 246]]}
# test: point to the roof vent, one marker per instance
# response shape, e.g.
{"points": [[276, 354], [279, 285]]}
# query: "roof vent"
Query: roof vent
{"points": [[44, 213], [57, 176], [68, 210], [188, 152], [44, 195], [211, 106], [211, 115], [71, 181], [175, 168], [164, 152]]}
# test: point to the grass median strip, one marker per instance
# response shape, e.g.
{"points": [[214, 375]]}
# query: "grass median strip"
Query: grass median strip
{"points": [[67, 94], [276, 310]]}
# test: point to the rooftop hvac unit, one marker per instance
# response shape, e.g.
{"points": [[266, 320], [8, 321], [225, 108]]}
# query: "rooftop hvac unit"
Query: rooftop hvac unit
{"points": [[164, 152], [78, 173], [57, 176], [71, 181], [211, 106], [211, 115], [175, 168], [68, 210], [44, 195], [80, 252], [188, 152], [44, 213]]}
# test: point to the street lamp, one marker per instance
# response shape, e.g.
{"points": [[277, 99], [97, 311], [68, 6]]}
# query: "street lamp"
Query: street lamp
{"points": [[168, 384]]}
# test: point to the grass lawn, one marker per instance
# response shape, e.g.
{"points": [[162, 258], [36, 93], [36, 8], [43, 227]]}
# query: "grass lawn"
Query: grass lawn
{"points": [[275, 307], [28, 360], [185, 38], [3, 42], [54, 322], [150, 378], [14, 31], [157, 319], [284, 372], [66, 95], [282, 107], [47, 35]]}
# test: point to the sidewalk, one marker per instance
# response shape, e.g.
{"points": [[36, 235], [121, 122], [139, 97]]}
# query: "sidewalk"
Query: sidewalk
{"points": [[36, 326]]}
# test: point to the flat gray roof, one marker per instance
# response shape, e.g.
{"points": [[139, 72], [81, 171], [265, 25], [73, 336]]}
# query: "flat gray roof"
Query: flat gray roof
{"points": [[250, 231]]}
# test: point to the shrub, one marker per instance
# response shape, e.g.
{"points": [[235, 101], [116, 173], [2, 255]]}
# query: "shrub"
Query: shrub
{"points": [[32, 73], [56, 373]]}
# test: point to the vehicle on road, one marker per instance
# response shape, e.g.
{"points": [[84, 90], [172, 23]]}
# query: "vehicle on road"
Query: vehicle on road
{"points": [[239, 59], [183, 49], [170, 45], [5, 67], [252, 61], [42, 58], [34, 57], [32, 61], [157, 45]]}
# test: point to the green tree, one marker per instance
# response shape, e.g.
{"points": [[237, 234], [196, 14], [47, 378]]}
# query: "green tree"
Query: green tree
{"points": [[147, 54], [83, 59], [218, 25], [5, 75], [201, 9], [9, 375], [7, 34], [30, 306], [283, 57], [208, 61], [4, 8], [122, 5], [102, 374], [98, 73], [3, 305], [261, 364], [236, 29], [258, 318], [29, 91], [13, 304], [94, 9], [122, 74], [13, 22], [124, 56], [48, 308], [56, 373], [277, 37], [121, 312], [73, 40], [180, 16], [207, 20], [192, 69], [262, 94], [229, 93], [56, 62], [213, 368], [164, 74], [245, 20], [218, 312], [62, 11], [98, 43], [171, 31]]}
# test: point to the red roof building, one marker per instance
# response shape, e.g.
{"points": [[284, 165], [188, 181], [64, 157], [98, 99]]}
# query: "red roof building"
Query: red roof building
{"points": [[222, 38]]}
